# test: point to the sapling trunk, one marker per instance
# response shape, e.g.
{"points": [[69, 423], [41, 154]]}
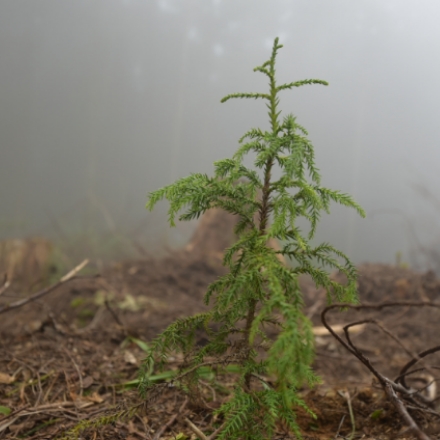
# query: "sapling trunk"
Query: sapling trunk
{"points": [[263, 220], [258, 286], [263, 212]]}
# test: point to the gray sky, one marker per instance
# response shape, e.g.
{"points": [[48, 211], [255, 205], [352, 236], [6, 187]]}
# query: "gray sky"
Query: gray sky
{"points": [[104, 101]]}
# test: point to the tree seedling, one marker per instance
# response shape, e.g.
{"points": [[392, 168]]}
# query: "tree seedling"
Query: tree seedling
{"points": [[259, 291]]}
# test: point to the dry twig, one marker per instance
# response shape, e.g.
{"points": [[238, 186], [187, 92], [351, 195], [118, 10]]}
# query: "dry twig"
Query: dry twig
{"points": [[199, 433], [163, 428], [6, 284], [69, 276], [346, 395]]}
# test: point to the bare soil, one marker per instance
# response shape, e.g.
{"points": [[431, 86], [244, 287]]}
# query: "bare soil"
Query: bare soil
{"points": [[70, 356]]}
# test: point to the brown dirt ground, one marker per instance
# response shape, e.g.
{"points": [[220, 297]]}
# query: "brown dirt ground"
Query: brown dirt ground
{"points": [[66, 357]]}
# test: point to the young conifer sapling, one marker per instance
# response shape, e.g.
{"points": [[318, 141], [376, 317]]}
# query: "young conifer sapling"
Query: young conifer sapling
{"points": [[259, 290]]}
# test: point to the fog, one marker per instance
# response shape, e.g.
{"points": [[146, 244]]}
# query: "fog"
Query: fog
{"points": [[103, 101]]}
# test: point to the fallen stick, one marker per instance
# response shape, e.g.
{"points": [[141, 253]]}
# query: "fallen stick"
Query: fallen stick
{"points": [[69, 276]]}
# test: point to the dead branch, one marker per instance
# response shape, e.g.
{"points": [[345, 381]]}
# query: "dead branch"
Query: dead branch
{"points": [[404, 371], [68, 277], [401, 409], [397, 391]]}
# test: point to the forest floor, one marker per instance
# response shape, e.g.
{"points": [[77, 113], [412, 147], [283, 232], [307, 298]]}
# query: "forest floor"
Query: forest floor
{"points": [[74, 355]]}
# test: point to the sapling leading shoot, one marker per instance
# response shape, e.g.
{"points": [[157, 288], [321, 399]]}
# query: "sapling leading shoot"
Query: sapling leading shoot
{"points": [[258, 291]]}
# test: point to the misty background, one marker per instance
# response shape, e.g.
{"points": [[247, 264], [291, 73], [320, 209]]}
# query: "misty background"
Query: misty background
{"points": [[103, 101]]}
